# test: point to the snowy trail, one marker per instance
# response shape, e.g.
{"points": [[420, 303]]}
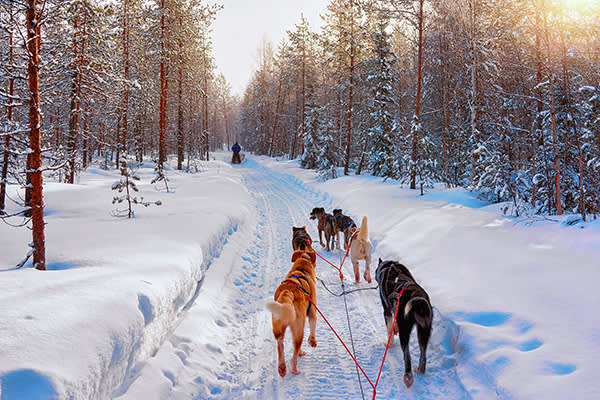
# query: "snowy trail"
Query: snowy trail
{"points": [[224, 348]]}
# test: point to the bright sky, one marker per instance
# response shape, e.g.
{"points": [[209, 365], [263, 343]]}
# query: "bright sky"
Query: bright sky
{"points": [[240, 27]]}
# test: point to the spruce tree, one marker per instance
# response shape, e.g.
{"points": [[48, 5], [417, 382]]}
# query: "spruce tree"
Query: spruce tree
{"points": [[381, 130], [128, 187]]}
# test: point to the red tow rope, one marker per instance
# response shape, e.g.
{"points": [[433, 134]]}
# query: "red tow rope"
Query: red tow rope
{"points": [[343, 260], [374, 386]]}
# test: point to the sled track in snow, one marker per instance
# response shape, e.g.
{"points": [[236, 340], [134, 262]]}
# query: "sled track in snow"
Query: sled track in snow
{"points": [[327, 370]]}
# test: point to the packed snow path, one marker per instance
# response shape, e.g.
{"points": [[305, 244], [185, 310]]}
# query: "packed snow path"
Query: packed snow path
{"points": [[224, 348]]}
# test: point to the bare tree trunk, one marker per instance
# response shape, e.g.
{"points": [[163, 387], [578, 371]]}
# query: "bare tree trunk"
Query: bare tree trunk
{"points": [[85, 140], [116, 144], [275, 119], [303, 91], [415, 139], [350, 89], [205, 105], [445, 118], [295, 140], [474, 85], [537, 126], [362, 155], [34, 32], [75, 106], [125, 110], [139, 139], [164, 90], [339, 115], [559, 209], [9, 115], [180, 132]]}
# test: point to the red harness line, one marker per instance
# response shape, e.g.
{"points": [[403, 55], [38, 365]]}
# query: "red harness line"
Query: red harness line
{"points": [[343, 260], [374, 386]]}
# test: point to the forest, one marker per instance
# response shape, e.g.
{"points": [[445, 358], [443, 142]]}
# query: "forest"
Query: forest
{"points": [[501, 97]]}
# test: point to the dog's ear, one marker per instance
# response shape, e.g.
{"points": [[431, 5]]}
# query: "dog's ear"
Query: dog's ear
{"points": [[296, 255], [322, 210], [380, 261]]}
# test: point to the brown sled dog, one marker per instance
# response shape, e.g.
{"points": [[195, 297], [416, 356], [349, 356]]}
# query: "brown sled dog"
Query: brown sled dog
{"points": [[326, 226], [301, 240], [291, 307]]}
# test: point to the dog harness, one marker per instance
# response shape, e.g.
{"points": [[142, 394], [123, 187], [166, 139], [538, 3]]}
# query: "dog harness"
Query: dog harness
{"points": [[383, 278], [301, 287], [348, 223]]}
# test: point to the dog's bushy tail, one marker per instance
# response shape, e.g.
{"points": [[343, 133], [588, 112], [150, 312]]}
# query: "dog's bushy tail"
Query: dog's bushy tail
{"points": [[364, 229], [283, 312], [421, 311]]}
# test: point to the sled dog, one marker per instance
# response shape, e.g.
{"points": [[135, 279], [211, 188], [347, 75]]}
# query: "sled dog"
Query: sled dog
{"points": [[325, 226], [301, 239], [344, 224], [360, 249], [291, 307], [414, 309]]}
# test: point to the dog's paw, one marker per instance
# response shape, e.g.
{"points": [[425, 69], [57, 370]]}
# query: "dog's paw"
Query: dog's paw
{"points": [[367, 276], [296, 371], [282, 369], [408, 380], [302, 353], [312, 341]]}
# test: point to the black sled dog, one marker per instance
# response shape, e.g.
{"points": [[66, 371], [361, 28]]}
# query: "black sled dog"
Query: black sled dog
{"points": [[414, 309]]}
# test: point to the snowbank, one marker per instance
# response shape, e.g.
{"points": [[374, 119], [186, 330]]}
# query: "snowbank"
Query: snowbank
{"points": [[115, 286]]}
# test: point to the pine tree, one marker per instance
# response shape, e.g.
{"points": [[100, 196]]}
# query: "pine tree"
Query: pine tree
{"points": [[590, 137], [383, 153], [312, 139], [328, 151], [160, 177], [128, 170]]}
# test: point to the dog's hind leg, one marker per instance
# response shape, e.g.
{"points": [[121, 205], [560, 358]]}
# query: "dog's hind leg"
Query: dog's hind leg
{"points": [[280, 356], [297, 338], [356, 271], [312, 323], [367, 274], [405, 329], [423, 334], [389, 323]]}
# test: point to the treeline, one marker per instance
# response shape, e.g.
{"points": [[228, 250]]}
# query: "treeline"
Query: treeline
{"points": [[498, 96], [108, 80]]}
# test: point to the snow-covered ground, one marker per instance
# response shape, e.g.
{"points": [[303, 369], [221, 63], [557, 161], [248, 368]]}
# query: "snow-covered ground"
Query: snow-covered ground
{"points": [[170, 305]]}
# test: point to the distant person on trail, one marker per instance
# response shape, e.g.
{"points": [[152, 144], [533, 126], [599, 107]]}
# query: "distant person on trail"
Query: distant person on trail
{"points": [[236, 153]]}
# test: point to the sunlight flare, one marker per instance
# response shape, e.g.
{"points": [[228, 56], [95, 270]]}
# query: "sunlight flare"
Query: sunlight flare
{"points": [[578, 6]]}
